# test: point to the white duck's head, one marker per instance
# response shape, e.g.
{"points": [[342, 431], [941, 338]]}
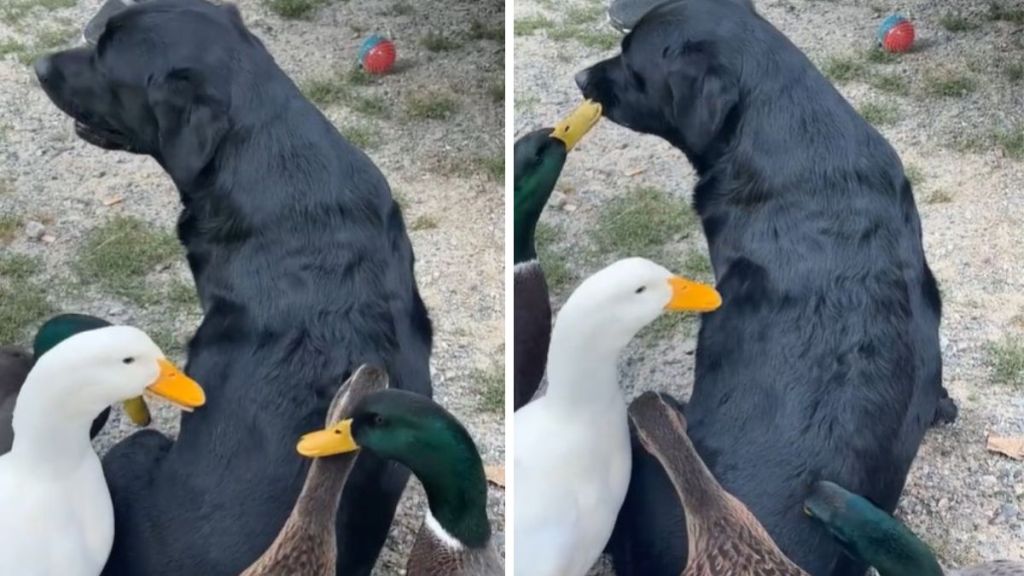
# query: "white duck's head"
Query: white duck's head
{"points": [[89, 371], [609, 308]]}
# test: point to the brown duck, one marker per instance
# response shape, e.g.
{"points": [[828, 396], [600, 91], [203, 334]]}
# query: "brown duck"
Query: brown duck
{"points": [[306, 545], [724, 537]]}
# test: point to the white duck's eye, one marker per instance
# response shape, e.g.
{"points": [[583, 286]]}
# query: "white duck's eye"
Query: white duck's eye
{"points": [[641, 289], [128, 360]]}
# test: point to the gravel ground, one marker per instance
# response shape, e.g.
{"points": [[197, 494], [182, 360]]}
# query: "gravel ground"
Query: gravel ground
{"points": [[965, 502], [51, 181]]}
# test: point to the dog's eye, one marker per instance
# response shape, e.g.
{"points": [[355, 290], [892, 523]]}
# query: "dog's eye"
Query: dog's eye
{"points": [[641, 289], [128, 360]]}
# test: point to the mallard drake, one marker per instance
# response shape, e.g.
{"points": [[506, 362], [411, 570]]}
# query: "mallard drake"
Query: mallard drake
{"points": [[572, 458], [58, 517], [539, 158], [15, 364], [724, 536], [455, 537], [871, 535], [307, 544]]}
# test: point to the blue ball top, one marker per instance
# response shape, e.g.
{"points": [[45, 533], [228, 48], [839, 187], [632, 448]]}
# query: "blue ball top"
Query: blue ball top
{"points": [[369, 44], [888, 24]]}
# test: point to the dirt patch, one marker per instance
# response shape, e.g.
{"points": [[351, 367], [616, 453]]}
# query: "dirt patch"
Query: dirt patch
{"points": [[434, 127], [954, 110]]}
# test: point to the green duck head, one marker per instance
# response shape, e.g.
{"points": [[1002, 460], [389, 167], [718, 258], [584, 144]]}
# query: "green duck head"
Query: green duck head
{"points": [[539, 158], [870, 534], [416, 432], [60, 328]]}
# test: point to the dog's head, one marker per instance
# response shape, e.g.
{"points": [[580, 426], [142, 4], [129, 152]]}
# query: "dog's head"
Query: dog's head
{"points": [[678, 75], [159, 81]]}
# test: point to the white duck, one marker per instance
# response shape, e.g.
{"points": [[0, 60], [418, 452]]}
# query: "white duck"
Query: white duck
{"points": [[57, 517], [572, 451]]}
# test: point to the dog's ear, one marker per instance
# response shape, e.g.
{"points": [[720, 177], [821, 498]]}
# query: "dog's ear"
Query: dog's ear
{"points": [[192, 118], [702, 96]]}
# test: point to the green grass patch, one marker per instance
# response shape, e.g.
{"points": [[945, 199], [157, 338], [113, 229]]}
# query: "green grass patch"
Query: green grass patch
{"points": [[370, 106], [479, 30], [586, 14], [880, 113], [295, 9], [640, 222], [424, 222], [47, 40], [9, 226], [22, 305], [492, 166], [496, 91], [400, 9], [19, 267], [362, 136], [890, 83], [956, 22], [431, 105], [1005, 12], [1007, 362], [11, 46], [880, 56], [182, 296], [14, 11], [949, 84], [326, 91], [553, 259], [491, 384], [118, 255], [914, 174], [589, 36], [1012, 143], [697, 266], [1014, 72], [437, 42], [939, 197], [531, 25], [844, 68], [359, 77]]}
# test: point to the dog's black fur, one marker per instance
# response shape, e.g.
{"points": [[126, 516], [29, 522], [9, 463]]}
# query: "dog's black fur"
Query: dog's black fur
{"points": [[823, 362], [303, 268]]}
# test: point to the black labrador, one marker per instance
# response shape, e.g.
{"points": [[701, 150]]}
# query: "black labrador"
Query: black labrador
{"points": [[303, 268], [823, 362]]}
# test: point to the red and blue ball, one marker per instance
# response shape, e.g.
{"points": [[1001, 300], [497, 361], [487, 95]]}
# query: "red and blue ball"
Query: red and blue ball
{"points": [[377, 54], [896, 34]]}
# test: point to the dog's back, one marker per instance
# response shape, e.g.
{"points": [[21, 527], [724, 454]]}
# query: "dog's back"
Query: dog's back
{"points": [[304, 272], [823, 362]]}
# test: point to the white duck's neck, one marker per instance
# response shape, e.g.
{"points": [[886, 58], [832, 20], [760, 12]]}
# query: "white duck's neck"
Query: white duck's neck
{"points": [[583, 360], [51, 433]]}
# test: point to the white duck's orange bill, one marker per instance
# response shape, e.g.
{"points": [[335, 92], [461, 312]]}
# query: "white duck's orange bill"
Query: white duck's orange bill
{"points": [[690, 296]]}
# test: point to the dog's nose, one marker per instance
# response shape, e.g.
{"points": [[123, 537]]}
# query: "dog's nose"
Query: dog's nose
{"points": [[581, 79], [43, 66]]}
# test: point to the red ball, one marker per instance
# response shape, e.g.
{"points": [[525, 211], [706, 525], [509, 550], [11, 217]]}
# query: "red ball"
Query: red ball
{"points": [[380, 58], [899, 38]]}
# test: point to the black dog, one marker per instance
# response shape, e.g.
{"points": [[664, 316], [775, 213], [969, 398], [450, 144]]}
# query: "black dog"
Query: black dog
{"points": [[303, 268], [823, 362]]}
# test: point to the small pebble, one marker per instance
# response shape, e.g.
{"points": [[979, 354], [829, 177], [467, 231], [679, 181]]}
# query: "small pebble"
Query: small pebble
{"points": [[34, 230]]}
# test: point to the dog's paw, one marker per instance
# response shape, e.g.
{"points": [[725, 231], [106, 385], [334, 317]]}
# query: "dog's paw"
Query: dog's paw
{"points": [[946, 412]]}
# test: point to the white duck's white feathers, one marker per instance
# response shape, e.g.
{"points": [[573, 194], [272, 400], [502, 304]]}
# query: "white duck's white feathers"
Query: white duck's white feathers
{"points": [[572, 449], [57, 518]]}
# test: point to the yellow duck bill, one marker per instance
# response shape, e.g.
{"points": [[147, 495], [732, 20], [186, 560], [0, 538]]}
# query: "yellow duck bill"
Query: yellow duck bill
{"points": [[577, 124], [690, 296], [337, 439], [173, 385]]}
